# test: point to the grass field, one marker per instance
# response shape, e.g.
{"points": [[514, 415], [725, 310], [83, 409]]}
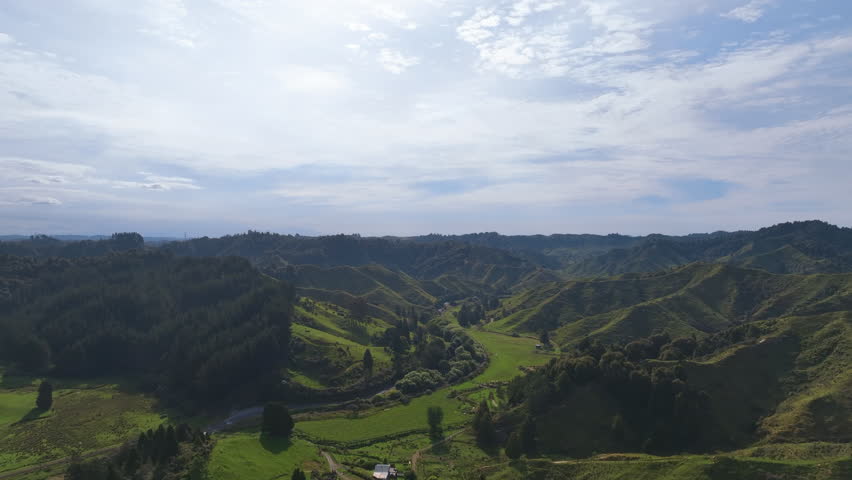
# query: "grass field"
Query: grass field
{"points": [[246, 455], [391, 421], [506, 354], [82, 419]]}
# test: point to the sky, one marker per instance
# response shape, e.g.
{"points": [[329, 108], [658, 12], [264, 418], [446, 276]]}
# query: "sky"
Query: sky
{"points": [[209, 117]]}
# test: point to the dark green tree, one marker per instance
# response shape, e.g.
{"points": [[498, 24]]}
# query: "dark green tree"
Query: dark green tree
{"points": [[277, 420], [45, 396], [527, 436], [298, 474], [368, 361], [435, 415], [483, 426], [544, 337], [513, 446]]}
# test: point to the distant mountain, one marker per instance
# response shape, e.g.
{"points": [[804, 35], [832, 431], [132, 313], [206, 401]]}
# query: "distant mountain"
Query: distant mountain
{"points": [[550, 250], [798, 247], [441, 269], [44, 246]]}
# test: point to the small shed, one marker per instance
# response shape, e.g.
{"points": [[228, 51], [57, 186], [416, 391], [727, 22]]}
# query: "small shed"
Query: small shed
{"points": [[383, 472]]}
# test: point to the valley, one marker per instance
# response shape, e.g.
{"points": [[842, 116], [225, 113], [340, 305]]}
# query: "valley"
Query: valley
{"points": [[701, 370]]}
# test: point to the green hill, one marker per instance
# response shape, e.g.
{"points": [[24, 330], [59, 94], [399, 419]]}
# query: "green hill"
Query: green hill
{"points": [[696, 299], [788, 382], [798, 247]]}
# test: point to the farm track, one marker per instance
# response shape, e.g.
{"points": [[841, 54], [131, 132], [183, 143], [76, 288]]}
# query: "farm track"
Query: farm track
{"points": [[334, 466], [419, 453]]}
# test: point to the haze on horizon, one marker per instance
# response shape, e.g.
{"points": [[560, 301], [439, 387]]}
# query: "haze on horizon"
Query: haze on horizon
{"points": [[411, 117]]}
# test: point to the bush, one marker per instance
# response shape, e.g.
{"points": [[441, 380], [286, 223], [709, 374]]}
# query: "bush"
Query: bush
{"points": [[419, 380]]}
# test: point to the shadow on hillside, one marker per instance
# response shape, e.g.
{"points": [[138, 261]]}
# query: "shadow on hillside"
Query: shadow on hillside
{"points": [[274, 444], [33, 414]]}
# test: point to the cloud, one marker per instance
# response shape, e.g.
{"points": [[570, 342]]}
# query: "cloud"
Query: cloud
{"points": [[27, 200], [395, 61], [358, 27], [6, 39], [750, 12], [560, 110], [167, 20], [305, 79]]}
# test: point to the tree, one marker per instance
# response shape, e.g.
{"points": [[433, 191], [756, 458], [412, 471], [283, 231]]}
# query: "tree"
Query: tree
{"points": [[298, 474], [483, 425], [45, 396], [277, 420], [544, 337], [368, 361], [435, 415], [513, 446], [527, 436]]}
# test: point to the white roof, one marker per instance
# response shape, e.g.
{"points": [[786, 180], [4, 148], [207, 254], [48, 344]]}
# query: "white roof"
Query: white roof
{"points": [[381, 471]]}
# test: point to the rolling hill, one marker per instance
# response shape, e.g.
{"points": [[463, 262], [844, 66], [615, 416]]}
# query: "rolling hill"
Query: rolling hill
{"points": [[696, 299], [797, 247]]}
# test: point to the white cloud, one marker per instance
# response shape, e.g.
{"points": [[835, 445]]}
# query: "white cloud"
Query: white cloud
{"points": [[477, 28], [750, 12], [394, 15], [28, 200], [276, 95], [358, 27], [305, 79], [168, 21], [395, 61], [6, 39], [377, 37]]}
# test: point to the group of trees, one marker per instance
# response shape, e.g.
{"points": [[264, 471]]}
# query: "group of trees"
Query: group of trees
{"points": [[167, 453], [443, 354], [470, 314], [658, 410], [195, 330]]}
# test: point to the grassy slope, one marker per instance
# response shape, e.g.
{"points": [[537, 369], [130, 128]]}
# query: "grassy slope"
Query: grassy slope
{"points": [[83, 418], [245, 455], [335, 345], [695, 299]]}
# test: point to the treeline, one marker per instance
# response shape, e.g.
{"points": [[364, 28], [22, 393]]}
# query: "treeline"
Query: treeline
{"points": [[45, 246], [167, 453], [198, 331], [656, 408]]}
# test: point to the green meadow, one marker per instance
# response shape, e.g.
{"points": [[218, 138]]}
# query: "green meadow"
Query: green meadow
{"points": [[247, 455], [83, 418]]}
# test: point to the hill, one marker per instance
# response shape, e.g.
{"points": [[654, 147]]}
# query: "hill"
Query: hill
{"points": [[696, 299], [797, 247], [784, 380]]}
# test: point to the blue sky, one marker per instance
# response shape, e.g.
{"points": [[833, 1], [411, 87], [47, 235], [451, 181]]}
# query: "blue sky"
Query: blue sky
{"points": [[404, 117]]}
